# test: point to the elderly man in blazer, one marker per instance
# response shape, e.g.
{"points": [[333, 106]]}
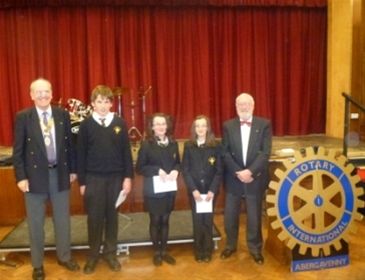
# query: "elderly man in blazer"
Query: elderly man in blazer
{"points": [[246, 152], [44, 163]]}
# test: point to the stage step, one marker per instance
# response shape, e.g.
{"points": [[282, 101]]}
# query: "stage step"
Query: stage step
{"points": [[357, 161]]}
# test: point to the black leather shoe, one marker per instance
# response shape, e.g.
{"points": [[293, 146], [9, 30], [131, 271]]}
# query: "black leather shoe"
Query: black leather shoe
{"points": [[71, 265], [90, 266], [157, 260], [207, 258], [38, 273], [227, 253], [199, 258], [168, 259], [258, 258], [113, 263]]}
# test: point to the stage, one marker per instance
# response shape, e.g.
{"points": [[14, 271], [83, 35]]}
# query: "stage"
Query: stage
{"points": [[133, 231]]}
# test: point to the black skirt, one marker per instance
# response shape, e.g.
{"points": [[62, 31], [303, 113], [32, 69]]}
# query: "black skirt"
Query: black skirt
{"points": [[160, 206]]}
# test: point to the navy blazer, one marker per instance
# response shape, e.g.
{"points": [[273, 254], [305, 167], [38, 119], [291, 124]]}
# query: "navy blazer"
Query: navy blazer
{"points": [[202, 168], [152, 157], [29, 151], [257, 159]]}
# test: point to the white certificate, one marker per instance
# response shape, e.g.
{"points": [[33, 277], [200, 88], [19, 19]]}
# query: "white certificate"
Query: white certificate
{"points": [[160, 186], [121, 197], [204, 206]]}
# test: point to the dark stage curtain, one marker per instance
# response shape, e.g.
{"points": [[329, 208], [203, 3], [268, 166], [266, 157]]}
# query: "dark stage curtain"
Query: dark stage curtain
{"points": [[195, 58]]}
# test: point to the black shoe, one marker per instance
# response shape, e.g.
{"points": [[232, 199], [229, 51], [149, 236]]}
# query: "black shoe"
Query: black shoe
{"points": [[113, 263], [70, 265], [207, 258], [168, 259], [227, 253], [157, 260], [38, 273], [199, 258], [258, 258], [90, 266]]}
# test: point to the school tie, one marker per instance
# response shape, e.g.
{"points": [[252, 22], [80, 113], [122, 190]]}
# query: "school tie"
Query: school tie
{"points": [[48, 140], [102, 121]]}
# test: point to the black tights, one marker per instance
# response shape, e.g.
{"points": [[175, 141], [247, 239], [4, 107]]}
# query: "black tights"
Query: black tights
{"points": [[159, 231]]}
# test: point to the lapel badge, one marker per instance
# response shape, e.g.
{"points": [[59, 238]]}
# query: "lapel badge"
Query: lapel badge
{"points": [[117, 129], [211, 160]]}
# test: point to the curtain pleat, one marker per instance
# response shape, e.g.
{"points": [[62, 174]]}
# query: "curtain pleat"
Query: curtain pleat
{"points": [[188, 61]]}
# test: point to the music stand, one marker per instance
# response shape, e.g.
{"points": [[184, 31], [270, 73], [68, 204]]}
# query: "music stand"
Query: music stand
{"points": [[118, 92], [134, 132], [142, 93]]}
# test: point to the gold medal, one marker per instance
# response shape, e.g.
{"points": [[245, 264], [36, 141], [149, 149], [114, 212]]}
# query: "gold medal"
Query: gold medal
{"points": [[47, 140], [47, 128]]}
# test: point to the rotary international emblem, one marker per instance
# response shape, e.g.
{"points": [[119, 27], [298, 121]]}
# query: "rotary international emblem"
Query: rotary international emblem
{"points": [[315, 201]]}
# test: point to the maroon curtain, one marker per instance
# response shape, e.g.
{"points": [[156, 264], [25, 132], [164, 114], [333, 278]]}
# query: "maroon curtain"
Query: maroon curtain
{"points": [[175, 3], [196, 60]]}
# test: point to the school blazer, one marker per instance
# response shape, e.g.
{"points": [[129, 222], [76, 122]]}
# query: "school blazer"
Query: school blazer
{"points": [[152, 157], [202, 168], [29, 151]]}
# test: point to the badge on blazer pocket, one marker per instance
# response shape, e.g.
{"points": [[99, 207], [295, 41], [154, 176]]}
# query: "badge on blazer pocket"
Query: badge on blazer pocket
{"points": [[211, 160], [117, 129]]}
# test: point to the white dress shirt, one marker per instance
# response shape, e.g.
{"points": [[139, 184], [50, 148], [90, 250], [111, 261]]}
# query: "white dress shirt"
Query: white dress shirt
{"points": [[245, 137], [108, 118]]}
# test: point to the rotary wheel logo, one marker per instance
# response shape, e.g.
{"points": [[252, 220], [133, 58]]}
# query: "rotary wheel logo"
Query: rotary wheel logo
{"points": [[315, 202]]}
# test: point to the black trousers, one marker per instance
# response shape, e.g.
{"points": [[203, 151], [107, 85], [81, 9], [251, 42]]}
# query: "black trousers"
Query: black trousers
{"points": [[203, 232], [102, 217], [253, 226]]}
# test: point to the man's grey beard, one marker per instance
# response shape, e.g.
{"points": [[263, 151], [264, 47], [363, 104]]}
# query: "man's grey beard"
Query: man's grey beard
{"points": [[244, 115]]}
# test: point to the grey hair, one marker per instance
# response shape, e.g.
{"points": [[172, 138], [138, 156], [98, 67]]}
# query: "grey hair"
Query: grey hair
{"points": [[246, 96]]}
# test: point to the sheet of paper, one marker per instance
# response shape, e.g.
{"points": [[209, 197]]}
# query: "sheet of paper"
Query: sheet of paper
{"points": [[204, 206], [160, 186], [121, 197]]}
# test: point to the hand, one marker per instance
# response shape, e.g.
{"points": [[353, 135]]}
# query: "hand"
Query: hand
{"points": [[210, 195], [127, 185], [82, 189], [73, 177], [196, 195], [173, 175], [23, 185], [245, 176], [162, 175]]}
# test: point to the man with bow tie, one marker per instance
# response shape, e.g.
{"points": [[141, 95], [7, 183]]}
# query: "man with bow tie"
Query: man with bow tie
{"points": [[246, 151]]}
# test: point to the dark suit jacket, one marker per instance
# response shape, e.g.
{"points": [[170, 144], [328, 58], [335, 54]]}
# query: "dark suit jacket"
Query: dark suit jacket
{"points": [[152, 157], [257, 159], [202, 168], [29, 151]]}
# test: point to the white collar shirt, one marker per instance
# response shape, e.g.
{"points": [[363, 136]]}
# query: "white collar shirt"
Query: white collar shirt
{"points": [[245, 137], [108, 118]]}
